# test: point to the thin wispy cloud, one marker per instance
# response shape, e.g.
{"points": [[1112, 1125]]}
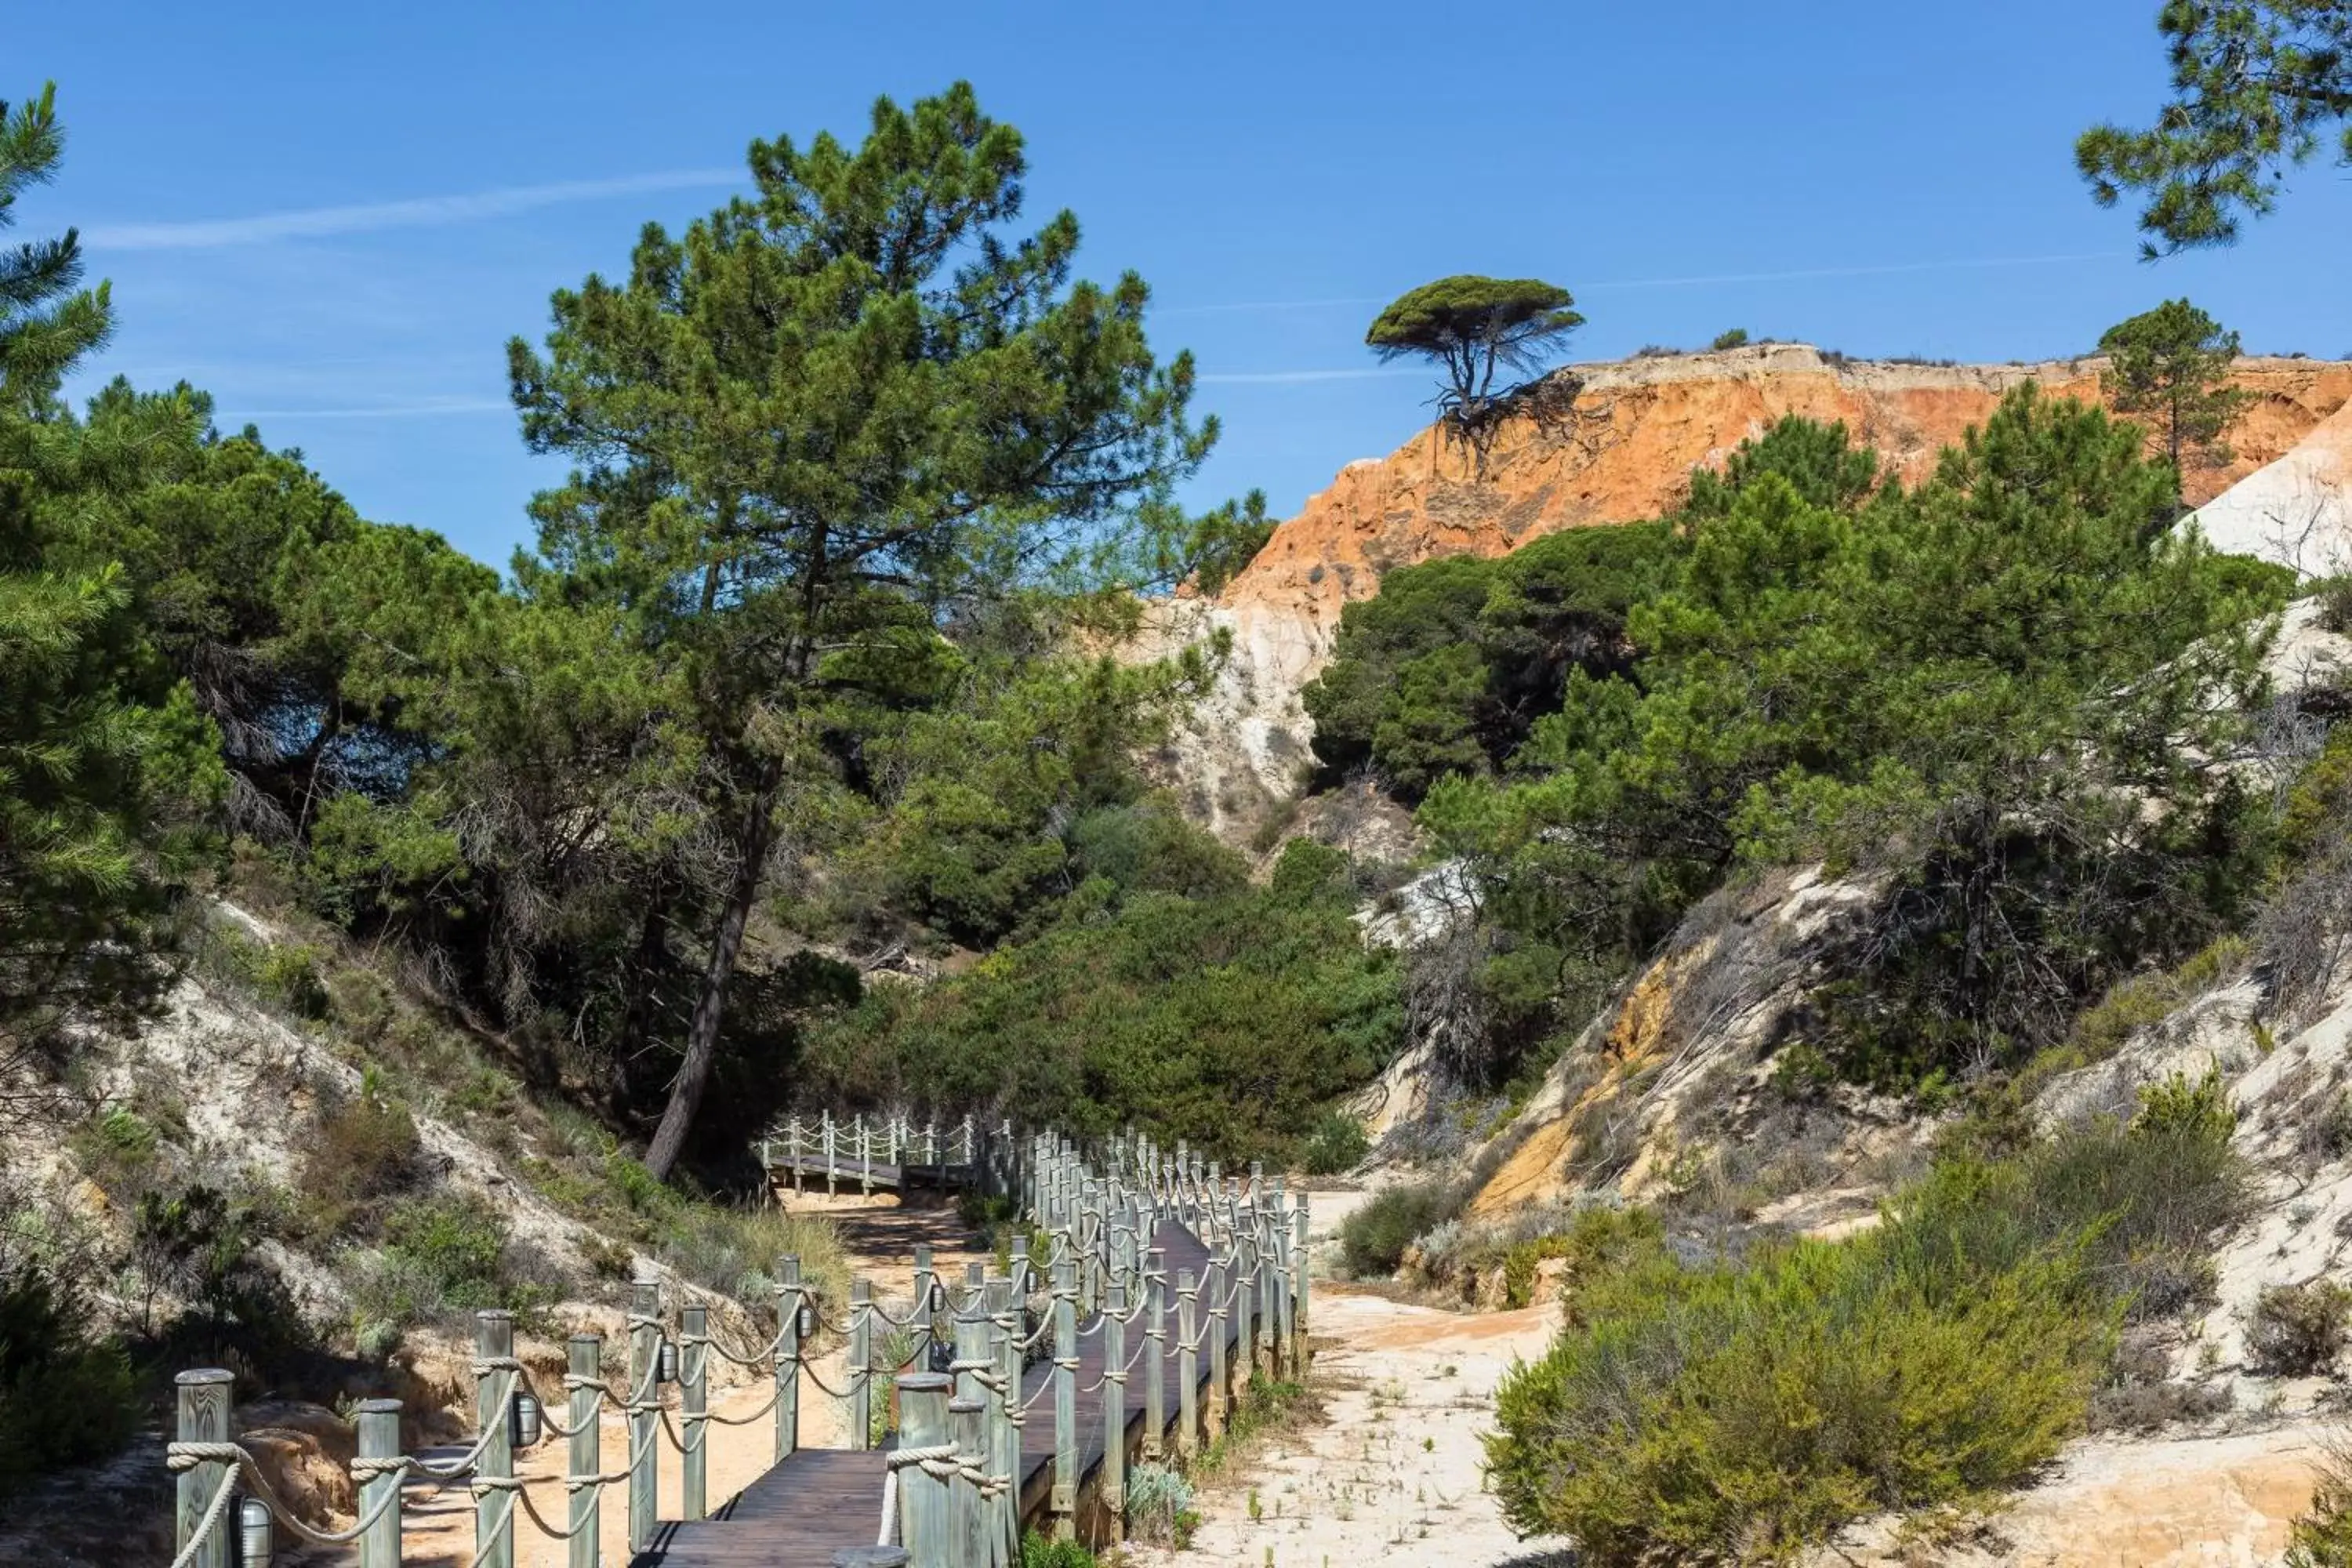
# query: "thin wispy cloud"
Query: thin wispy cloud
{"points": [[432, 409], [416, 212], [1887, 269], [1283, 377], [1789, 276]]}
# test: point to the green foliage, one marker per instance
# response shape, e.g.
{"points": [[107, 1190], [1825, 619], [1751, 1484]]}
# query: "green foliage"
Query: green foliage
{"points": [[2321, 1536], [2296, 1331], [1372, 1239], [822, 413], [1470, 326], [1735, 338], [1451, 665], [2172, 364], [108, 769], [1999, 691], [1160, 1506], [1600, 1241], [1146, 1009], [1745, 1412], [2255, 83], [441, 1255], [1040, 1551], [1337, 1143], [358, 1152], [65, 1395]]}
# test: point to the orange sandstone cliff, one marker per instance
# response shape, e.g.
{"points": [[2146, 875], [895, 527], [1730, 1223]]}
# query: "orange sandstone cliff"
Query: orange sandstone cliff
{"points": [[1639, 428]]}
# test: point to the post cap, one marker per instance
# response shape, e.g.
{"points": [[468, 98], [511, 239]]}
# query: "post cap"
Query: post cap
{"points": [[925, 1383], [376, 1407], [204, 1375], [870, 1557]]}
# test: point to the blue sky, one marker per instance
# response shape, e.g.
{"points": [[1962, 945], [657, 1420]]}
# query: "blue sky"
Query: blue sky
{"points": [[333, 216]]}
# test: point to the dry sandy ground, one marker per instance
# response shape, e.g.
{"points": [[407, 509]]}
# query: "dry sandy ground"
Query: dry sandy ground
{"points": [[1394, 1476]]}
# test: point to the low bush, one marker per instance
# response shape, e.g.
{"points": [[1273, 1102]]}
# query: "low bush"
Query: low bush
{"points": [[1160, 1507], [1337, 1144], [442, 1255], [2296, 1331], [1742, 1412], [1735, 338], [2321, 1536], [359, 1152], [65, 1395], [1374, 1239], [1600, 1241]]}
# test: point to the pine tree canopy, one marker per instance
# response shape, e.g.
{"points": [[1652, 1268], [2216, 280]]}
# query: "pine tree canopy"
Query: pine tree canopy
{"points": [[2257, 86]]}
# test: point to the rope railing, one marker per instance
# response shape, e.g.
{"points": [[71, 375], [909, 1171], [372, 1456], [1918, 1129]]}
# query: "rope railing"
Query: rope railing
{"points": [[956, 1460]]}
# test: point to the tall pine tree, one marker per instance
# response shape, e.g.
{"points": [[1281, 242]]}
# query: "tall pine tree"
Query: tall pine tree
{"points": [[808, 431]]}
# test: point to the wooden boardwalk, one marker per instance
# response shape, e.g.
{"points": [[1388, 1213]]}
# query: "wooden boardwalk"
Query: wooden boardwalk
{"points": [[819, 1500]]}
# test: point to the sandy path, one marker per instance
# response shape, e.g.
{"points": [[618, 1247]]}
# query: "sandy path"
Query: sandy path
{"points": [[1395, 1476]]}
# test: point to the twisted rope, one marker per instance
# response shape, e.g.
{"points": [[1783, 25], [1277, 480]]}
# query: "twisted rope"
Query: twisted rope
{"points": [[180, 1457], [934, 1459]]}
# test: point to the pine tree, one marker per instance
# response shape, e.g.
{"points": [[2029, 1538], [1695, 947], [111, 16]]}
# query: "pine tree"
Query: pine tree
{"points": [[2172, 364], [100, 755], [808, 429], [2255, 83]]}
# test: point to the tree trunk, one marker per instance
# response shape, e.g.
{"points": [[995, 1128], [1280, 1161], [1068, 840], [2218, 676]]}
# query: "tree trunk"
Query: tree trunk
{"points": [[726, 944]]}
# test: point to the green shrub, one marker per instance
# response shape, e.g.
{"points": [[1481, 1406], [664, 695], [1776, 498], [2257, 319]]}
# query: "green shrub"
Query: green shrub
{"points": [[2295, 1331], [1337, 1144], [1151, 1011], [65, 1396], [1738, 1414], [116, 1146], [1600, 1241], [288, 977], [441, 1257], [1160, 1506], [358, 1151], [1742, 1412], [1038, 1551], [1735, 338], [1374, 1239], [2321, 1536], [2334, 596]]}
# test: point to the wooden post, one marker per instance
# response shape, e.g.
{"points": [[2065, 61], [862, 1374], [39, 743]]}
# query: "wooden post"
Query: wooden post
{"points": [[1066, 1400], [866, 1153], [967, 1426], [204, 1397], [583, 1369], [1155, 1354], [793, 1142], [861, 1363], [1221, 1274], [924, 1319], [1299, 1250], [377, 1425], [789, 1297], [1004, 1339], [1188, 1365], [495, 1510], [694, 1394], [825, 1132], [1114, 1392], [644, 1409], [1244, 1254], [925, 1522], [1022, 1267]]}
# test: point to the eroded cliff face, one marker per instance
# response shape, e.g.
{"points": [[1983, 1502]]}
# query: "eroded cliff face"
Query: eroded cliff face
{"points": [[1639, 427]]}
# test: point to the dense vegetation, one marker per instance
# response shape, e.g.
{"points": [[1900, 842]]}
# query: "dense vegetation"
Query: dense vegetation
{"points": [[1742, 1411], [2000, 691]]}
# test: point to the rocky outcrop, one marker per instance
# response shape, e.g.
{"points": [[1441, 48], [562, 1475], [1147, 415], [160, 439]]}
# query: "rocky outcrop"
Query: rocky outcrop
{"points": [[1636, 430]]}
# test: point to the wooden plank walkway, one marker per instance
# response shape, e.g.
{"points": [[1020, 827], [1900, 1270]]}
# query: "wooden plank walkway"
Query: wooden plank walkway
{"points": [[821, 1499]]}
